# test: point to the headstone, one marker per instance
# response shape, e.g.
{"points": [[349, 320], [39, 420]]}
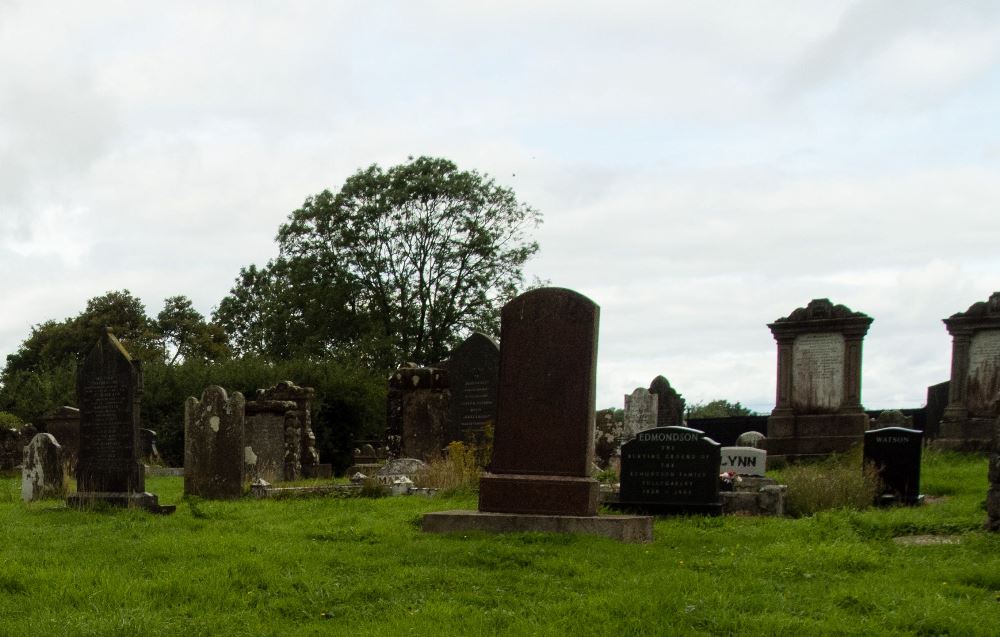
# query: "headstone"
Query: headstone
{"points": [[147, 446], [895, 454], [215, 451], [753, 439], [937, 402], [671, 470], [108, 388], [818, 409], [669, 405], [543, 447], [302, 457], [974, 389], [743, 461], [474, 371], [417, 411], [64, 423], [399, 468], [608, 436], [892, 418], [640, 412], [42, 469], [264, 429]]}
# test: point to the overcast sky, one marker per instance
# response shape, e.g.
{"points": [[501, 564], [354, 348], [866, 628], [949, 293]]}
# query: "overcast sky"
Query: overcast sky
{"points": [[703, 168]]}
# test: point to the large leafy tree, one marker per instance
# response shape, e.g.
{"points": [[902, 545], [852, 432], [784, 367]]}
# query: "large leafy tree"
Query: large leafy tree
{"points": [[396, 266]]}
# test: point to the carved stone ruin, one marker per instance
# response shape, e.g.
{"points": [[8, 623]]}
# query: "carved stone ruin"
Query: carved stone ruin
{"points": [[818, 407], [108, 388], [974, 389], [417, 412], [669, 405], [543, 449], [474, 373], [302, 459], [214, 445], [42, 469]]}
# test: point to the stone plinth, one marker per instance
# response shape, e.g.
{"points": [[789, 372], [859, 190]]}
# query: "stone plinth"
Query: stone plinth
{"points": [[818, 407], [624, 528], [974, 388]]}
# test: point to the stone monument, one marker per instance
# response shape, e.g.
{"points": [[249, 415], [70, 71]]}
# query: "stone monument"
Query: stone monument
{"points": [[214, 445], [108, 470], [818, 407], [669, 404], [894, 452], [302, 459], [64, 424], [42, 469], [974, 388], [417, 412], [543, 449], [640, 412], [474, 372], [264, 431]]}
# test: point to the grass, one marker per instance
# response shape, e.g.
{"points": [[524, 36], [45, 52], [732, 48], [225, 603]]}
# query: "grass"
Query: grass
{"points": [[361, 567]]}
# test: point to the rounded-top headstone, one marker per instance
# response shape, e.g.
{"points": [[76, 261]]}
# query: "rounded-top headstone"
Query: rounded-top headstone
{"points": [[753, 439], [42, 469]]}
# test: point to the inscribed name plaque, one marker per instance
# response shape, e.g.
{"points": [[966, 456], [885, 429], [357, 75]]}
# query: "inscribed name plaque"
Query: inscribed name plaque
{"points": [[744, 461], [818, 367], [895, 454], [984, 371], [671, 470]]}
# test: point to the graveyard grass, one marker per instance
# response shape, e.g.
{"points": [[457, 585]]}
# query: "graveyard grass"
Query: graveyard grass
{"points": [[358, 566]]}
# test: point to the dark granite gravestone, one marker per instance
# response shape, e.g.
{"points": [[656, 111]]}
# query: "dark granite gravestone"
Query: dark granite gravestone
{"points": [[670, 404], [474, 372], [543, 450], [543, 446], [42, 469], [108, 388], [670, 470], [895, 454], [214, 444]]}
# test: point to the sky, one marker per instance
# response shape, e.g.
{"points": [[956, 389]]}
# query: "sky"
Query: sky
{"points": [[702, 168]]}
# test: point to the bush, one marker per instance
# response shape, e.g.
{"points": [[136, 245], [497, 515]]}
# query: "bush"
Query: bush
{"points": [[837, 482], [9, 421]]}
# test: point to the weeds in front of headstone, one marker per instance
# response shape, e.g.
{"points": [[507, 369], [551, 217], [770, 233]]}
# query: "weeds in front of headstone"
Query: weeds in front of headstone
{"points": [[457, 472], [372, 488], [838, 482]]}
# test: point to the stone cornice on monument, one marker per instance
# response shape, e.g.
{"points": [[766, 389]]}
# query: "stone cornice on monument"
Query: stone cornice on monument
{"points": [[821, 316], [980, 315]]}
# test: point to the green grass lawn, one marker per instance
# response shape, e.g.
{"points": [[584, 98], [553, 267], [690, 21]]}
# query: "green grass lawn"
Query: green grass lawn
{"points": [[336, 566]]}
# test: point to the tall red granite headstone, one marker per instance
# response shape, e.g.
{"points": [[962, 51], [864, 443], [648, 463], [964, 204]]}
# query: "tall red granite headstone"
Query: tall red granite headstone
{"points": [[543, 446]]}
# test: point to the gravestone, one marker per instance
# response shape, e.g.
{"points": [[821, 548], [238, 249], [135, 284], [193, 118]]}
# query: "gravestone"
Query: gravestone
{"points": [[543, 449], [474, 372], [753, 439], [640, 412], [818, 408], [743, 461], [669, 404], [937, 402], [108, 388], [42, 469], [64, 424], [974, 388], [892, 418], [302, 459], [264, 431], [417, 412], [608, 436], [214, 445], [895, 454], [671, 470]]}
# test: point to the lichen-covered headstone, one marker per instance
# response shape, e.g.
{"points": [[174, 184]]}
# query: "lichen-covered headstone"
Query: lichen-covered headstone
{"points": [[753, 439], [42, 469], [641, 412], [214, 444]]}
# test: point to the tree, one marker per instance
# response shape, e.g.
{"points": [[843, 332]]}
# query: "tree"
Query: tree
{"points": [[185, 334], [396, 266], [717, 409]]}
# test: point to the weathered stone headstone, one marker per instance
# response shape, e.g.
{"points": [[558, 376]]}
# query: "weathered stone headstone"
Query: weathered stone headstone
{"points": [[744, 461], [895, 454], [671, 470], [42, 469], [417, 412], [214, 445], [544, 441], [264, 428], [937, 402], [474, 372], [753, 439], [892, 418], [108, 388], [399, 468], [818, 409], [640, 412], [302, 459], [64, 423], [974, 389], [669, 404]]}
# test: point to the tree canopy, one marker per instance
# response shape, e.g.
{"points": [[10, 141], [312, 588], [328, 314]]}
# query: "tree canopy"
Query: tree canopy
{"points": [[396, 266]]}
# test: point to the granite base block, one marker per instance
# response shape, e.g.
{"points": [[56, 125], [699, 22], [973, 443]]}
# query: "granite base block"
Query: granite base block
{"points": [[624, 528], [144, 500]]}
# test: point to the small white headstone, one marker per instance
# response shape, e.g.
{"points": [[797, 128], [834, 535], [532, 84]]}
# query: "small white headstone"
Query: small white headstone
{"points": [[744, 461]]}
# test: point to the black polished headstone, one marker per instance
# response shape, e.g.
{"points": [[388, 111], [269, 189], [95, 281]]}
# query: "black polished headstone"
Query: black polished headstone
{"points": [[895, 454], [474, 368], [670, 470]]}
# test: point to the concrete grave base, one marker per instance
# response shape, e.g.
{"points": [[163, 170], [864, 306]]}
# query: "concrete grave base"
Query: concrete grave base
{"points": [[144, 500], [624, 528]]}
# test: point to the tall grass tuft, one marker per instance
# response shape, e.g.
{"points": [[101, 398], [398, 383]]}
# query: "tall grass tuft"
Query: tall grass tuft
{"points": [[457, 472], [838, 482]]}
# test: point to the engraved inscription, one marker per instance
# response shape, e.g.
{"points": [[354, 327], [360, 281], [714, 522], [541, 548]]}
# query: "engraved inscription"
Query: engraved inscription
{"points": [[984, 373], [640, 411], [105, 436], [476, 407], [818, 371]]}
